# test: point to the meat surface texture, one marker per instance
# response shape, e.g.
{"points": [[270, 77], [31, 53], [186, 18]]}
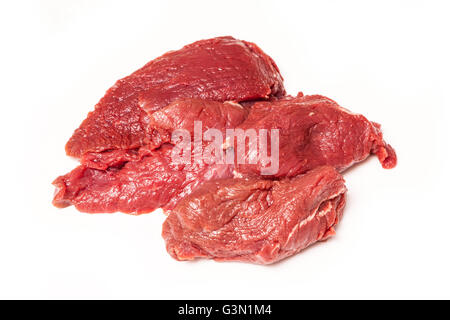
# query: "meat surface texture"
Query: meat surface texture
{"points": [[220, 69], [140, 181], [315, 131], [256, 220], [179, 115], [137, 187], [243, 171]]}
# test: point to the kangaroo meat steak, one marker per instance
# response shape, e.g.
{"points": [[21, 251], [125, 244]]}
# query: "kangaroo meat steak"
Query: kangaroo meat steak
{"points": [[220, 69], [256, 220]]}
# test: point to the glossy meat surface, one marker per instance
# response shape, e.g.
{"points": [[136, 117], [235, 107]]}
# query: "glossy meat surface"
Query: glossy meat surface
{"points": [[140, 181], [220, 69], [180, 114], [183, 115], [315, 131], [139, 186], [255, 220]]}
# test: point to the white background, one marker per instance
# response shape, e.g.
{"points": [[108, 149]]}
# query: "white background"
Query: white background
{"points": [[386, 60]]}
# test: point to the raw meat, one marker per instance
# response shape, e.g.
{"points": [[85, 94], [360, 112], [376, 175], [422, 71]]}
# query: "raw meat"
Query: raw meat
{"points": [[315, 131], [140, 181], [256, 220], [183, 114], [225, 205], [162, 123], [139, 186], [218, 69]]}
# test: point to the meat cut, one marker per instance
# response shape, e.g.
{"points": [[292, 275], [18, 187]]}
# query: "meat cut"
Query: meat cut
{"points": [[256, 220], [190, 132], [314, 131], [179, 115], [140, 181], [137, 187], [221, 69]]}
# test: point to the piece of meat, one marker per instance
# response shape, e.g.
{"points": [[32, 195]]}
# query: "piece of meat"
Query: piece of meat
{"points": [[178, 115], [183, 115], [137, 187], [140, 181], [255, 220], [313, 131], [218, 69]]}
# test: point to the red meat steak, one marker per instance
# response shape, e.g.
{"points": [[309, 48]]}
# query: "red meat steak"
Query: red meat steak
{"points": [[218, 69], [138, 187], [140, 181], [255, 220], [315, 131], [162, 123]]}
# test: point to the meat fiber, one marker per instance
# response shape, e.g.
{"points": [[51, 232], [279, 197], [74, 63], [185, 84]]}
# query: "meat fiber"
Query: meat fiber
{"points": [[137, 187], [162, 123], [218, 69], [140, 181], [255, 220], [207, 133], [314, 131]]}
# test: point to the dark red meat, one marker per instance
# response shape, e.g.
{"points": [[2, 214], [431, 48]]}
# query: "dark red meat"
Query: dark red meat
{"points": [[315, 131], [183, 114], [162, 123], [255, 220], [218, 69], [139, 181], [131, 159], [138, 187]]}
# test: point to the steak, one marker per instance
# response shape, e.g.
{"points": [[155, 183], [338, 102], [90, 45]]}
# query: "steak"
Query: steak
{"points": [[139, 186], [179, 115], [255, 220], [221, 69], [314, 131], [140, 181], [207, 133]]}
